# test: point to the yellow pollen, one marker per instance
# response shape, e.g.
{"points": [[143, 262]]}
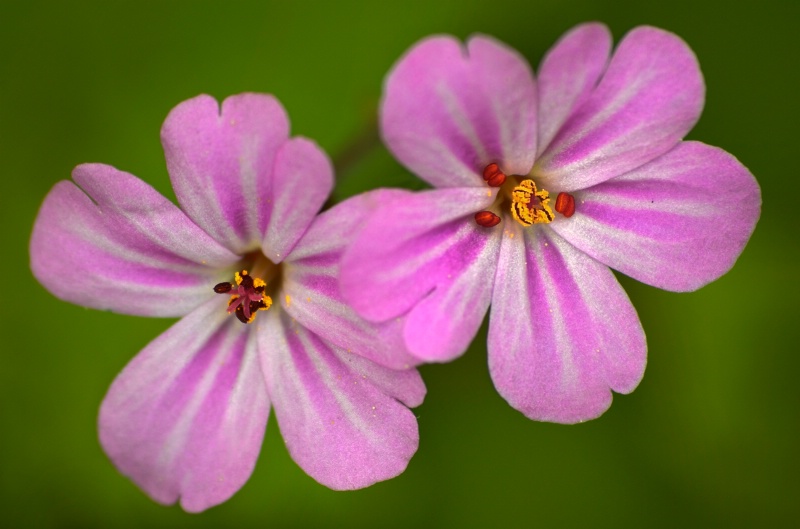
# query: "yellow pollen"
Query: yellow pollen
{"points": [[530, 206], [249, 298], [267, 302], [288, 300]]}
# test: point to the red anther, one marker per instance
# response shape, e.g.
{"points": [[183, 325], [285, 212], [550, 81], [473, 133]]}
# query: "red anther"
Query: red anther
{"points": [[246, 298], [487, 219], [565, 204], [222, 288], [490, 171], [497, 180], [493, 175]]}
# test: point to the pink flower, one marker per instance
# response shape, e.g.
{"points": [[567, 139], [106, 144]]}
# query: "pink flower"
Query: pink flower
{"points": [[186, 417], [542, 185]]}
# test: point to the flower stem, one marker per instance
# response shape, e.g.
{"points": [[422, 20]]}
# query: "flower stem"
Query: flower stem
{"points": [[354, 153], [358, 147]]}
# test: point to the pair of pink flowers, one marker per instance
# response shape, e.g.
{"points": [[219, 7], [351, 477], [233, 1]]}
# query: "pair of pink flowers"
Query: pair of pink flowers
{"points": [[541, 185]]}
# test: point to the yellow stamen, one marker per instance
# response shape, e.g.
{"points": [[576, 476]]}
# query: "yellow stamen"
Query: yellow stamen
{"points": [[267, 302], [242, 299], [530, 206]]}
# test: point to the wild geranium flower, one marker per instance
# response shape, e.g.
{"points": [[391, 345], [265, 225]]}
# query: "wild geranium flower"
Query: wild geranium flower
{"points": [[542, 185], [263, 324]]}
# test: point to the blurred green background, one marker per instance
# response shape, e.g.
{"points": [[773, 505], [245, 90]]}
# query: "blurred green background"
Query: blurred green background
{"points": [[710, 437]]}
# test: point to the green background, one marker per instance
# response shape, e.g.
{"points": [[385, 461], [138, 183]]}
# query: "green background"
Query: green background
{"points": [[710, 437]]}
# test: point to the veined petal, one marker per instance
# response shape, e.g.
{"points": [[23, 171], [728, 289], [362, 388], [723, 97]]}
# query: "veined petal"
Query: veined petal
{"points": [[186, 417], [311, 287], [650, 96], [115, 243], [677, 223], [568, 75], [425, 245], [441, 326], [221, 163], [301, 181], [340, 415], [562, 332], [447, 111]]}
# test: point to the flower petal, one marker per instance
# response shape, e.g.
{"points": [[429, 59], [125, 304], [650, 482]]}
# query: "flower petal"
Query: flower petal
{"points": [[186, 417], [441, 326], [676, 223], [312, 295], [115, 243], [301, 182], [340, 415], [447, 111], [425, 245], [568, 75], [221, 163], [650, 96], [561, 331]]}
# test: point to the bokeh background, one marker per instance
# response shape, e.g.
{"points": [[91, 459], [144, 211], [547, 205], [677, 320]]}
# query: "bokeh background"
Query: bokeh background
{"points": [[710, 437]]}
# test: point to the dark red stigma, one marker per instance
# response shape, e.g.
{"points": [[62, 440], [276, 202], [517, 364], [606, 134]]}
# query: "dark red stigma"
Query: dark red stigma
{"points": [[247, 296]]}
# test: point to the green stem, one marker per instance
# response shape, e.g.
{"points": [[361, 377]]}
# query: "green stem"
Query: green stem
{"points": [[357, 149], [353, 153]]}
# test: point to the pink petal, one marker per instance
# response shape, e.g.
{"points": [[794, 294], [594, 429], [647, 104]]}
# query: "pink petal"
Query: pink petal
{"points": [[447, 111], [441, 326], [115, 243], [235, 171], [425, 249], [338, 413], [186, 417], [677, 223], [568, 75], [301, 181], [650, 96], [562, 332], [312, 295]]}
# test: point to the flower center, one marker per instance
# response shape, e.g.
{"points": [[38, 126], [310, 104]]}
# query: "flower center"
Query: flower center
{"points": [[248, 291], [528, 205]]}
